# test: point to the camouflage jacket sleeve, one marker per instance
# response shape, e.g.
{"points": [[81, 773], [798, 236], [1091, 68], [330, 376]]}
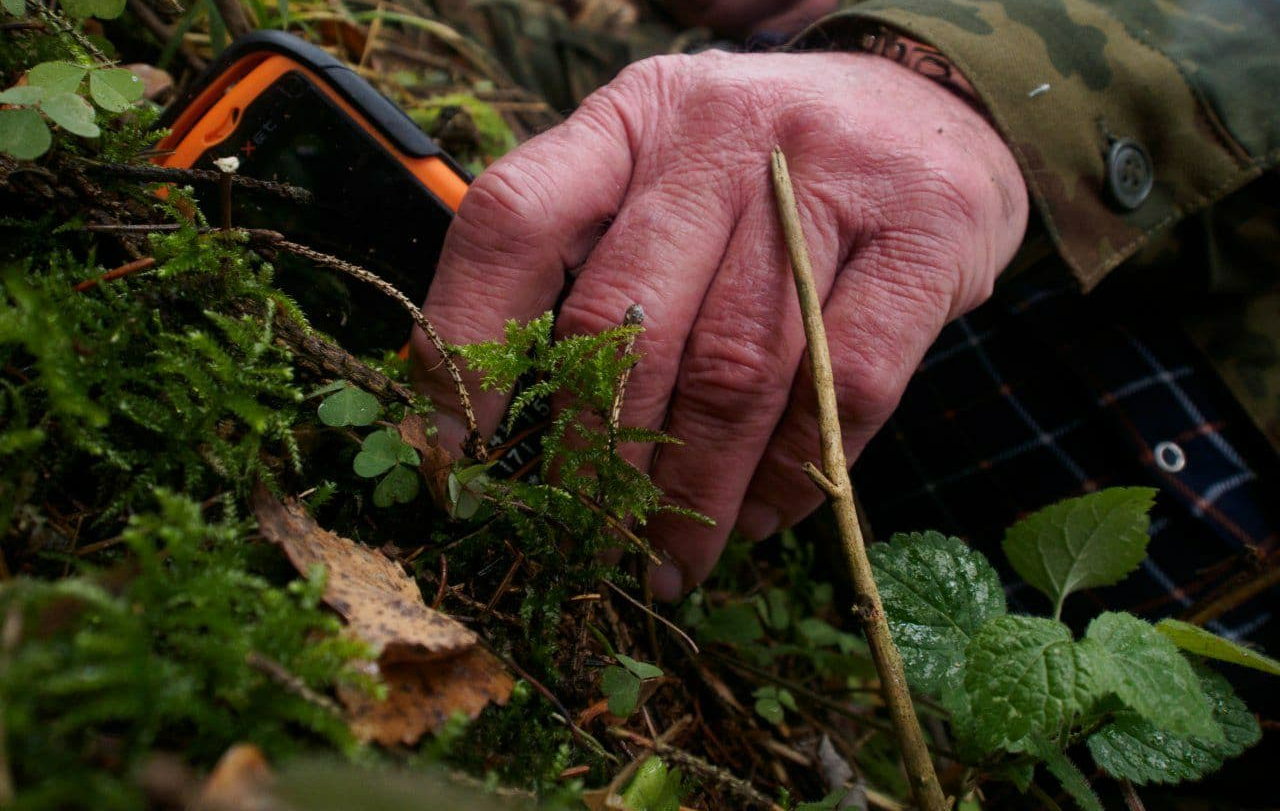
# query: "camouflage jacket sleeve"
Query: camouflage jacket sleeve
{"points": [[1192, 84]]}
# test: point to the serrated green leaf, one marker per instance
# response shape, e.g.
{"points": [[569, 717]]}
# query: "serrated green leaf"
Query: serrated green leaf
{"points": [[937, 592], [57, 77], [23, 134], [641, 670], [102, 9], [1194, 639], [115, 89], [72, 113], [1026, 677], [24, 94], [379, 452], [1131, 748], [349, 406], [734, 624], [400, 486], [17, 8], [622, 688], [1093, 540], [654, 788], [1151, 677]]}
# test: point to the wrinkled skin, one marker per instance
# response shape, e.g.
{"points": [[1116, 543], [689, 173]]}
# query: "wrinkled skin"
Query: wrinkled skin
{"points": [[657, 191]]}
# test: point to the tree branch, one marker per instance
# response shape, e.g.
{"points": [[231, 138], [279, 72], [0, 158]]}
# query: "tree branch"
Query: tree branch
{"points": [[924, 780]]}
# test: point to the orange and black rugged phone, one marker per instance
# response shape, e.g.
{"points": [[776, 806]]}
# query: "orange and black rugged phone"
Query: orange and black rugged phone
{"points": [[384, 192]]}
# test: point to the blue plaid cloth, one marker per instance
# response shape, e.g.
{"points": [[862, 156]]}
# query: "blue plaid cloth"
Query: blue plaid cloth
{"points": [[1044, 393]]}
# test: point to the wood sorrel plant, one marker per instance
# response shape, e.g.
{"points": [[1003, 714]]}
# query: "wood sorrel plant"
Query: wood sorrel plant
{"points": [[1022, 690]]}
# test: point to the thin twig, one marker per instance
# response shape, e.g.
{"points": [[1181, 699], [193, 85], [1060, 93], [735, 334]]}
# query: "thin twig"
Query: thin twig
{"points": [[1239, 594], [915, 753], [474, 444], [653, 614], [1131, 797], [291, 682], [715, 774], [634, 317], [126, 269], [234, 17], [163, 174], [619, 527], [58, 21], [444, 583]]}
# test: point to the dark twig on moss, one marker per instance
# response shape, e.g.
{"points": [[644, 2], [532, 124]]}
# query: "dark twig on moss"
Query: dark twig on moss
{"points": [[163, 174], [712, 774], [833, 479], [474, 445]]}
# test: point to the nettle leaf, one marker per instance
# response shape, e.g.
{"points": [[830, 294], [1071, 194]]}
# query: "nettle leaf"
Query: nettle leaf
{"points": [[102, 9], [1093, 540], [400, 486], [115, 89], [57, 77], [1026, 677], [17, 8], [23, 134], [1194, 639], [1132, 748], [24, 94], [349, 406], [380, 451], [72, 113], [937, 592], [641, 670], [1151, 677], [622, 688]]}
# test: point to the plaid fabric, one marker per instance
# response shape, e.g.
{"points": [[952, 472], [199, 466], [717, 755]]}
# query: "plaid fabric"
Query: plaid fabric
{"points": [[1043, 394]]}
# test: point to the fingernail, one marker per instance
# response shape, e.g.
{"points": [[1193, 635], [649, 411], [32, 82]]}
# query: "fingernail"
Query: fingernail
{"points": [[665, 581], [758, 521]]}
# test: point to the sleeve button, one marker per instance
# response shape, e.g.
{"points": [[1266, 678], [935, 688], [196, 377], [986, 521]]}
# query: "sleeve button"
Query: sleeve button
{"points": [[1129, 174]]}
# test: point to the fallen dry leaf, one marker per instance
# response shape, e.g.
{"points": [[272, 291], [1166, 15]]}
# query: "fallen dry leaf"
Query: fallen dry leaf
{"points": [[432, 665], [436, 463], [239, 782], [421, 698]]}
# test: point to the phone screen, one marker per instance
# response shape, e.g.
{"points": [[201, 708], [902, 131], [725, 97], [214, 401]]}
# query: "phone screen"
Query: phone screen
{"points": [[369, 209]]}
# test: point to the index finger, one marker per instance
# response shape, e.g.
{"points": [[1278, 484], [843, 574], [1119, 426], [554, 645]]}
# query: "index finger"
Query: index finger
{"points": [[534, 213]]}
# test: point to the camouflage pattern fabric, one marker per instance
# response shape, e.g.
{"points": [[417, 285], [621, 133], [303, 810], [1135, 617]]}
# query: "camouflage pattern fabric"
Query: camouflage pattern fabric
{"points": [[1193, 82]]}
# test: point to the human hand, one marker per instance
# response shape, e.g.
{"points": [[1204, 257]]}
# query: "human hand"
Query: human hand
{"points": [[657, 192]]}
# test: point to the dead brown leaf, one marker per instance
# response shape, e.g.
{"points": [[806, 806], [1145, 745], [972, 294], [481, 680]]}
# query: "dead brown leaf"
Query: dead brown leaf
{"points": [[436, 463], [420, 699], [239, 781], [432, 665]]}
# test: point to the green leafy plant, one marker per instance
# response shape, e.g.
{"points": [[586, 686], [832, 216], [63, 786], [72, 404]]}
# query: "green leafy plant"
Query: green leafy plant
{"points": [[654, 788], [385, 452], [1022, 689], [54, 93], [83, 664], [772, 703], [621, 685]]}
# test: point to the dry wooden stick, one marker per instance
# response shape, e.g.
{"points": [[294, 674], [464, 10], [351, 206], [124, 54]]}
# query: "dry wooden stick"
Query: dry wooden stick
{"points": [[833, 479]]}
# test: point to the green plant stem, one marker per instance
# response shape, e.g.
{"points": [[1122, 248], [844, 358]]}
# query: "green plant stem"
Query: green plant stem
{"points": [[833, 479]]}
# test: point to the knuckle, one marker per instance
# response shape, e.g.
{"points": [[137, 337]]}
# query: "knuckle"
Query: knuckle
{"points": [[510, 192], [726, 368]]}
